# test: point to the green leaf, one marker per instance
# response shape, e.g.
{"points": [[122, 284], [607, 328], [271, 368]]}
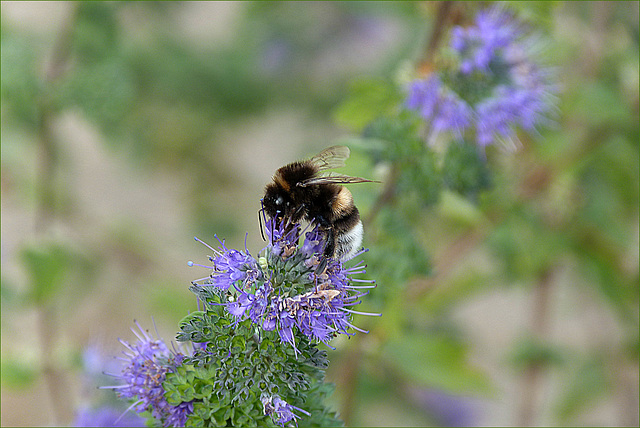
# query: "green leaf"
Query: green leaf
{"points": [[190, 317], [188, 394], [206, 390], [238, 342], [464, 170], [173, 398], [194, 420], [95, 31], [587, 384], [20, 85]]}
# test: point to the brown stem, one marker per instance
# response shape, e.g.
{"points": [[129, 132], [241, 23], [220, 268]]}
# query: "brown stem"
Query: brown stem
{"points": [[445, 263], [349, 381], [46, 172], [441, 21], [532, 377], [384, 198]]}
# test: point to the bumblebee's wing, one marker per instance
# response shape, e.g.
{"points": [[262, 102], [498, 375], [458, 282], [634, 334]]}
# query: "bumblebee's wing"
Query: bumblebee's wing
{"points": [[334, 179], [331, 157]]}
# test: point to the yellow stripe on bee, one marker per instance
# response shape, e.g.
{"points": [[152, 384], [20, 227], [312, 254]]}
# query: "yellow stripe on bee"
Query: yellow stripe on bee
{"points": [[343, 201]]}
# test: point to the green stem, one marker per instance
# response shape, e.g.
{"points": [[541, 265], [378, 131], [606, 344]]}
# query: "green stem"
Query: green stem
{"points": [[54, 379]]}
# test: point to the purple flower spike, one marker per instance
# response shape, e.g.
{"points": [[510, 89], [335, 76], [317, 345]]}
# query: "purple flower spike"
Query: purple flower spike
{"points": [[478, 45], [147, 363], [495, 87], [282, 291]]}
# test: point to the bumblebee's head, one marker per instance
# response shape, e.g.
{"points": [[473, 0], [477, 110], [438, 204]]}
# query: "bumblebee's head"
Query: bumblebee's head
{"points": [[276, 201]]}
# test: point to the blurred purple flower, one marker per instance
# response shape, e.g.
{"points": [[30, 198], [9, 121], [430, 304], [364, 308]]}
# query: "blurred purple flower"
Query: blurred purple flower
{"points": [[147, 363], [479, 44], [453, 115], [106, 417], [95, 410], [277, 54], [177, 415], [424, 95], [449, 410], [495, 88]]}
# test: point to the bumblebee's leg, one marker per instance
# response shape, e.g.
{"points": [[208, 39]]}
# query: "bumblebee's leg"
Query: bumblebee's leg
{"points": [[321, 266], [330, 244], [329, 248]]}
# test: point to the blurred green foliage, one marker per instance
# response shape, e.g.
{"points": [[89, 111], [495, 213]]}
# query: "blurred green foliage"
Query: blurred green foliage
{"points": [[437, 360], [17, 373], [47, 268], [447, 226]]}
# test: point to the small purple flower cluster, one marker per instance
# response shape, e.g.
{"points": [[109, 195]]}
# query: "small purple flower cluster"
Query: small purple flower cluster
{"points": [[481, 43], [442, 106], [280, 411], [232, 266], [281, 290], [147, 363], [494, 61]]}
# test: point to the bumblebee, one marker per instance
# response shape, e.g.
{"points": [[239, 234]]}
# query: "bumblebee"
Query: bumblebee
{"points": [[300, 191]]}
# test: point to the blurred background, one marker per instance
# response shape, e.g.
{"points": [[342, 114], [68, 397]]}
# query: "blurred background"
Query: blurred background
{"points": [[128, 128]]}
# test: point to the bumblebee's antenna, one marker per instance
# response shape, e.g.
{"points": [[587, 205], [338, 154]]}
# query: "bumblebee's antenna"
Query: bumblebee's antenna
{"points": [[261, 211]]}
